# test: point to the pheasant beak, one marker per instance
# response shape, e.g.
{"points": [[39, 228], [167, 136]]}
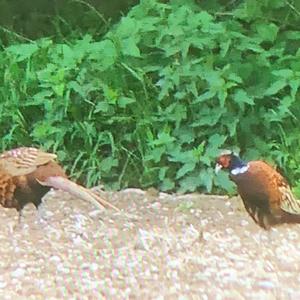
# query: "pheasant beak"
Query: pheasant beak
{"points": [[41, 182], [218, 167]]}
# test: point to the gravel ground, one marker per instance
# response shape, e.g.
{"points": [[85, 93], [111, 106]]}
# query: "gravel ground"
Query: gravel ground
{"points": [[158, 247]]}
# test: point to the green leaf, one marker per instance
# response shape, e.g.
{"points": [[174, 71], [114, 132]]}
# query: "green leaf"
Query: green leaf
{"points": [[164, 138], [208, 95], [240, 96], [167, 185], [127, 27], [205, 18], [222, 180], [234, 77], [225, 47], [214, 143], [39, 98], [284, 73], [59, 89], [276, 87], [189, 184], [101, 106], [185, 134], [208, 117], [294, 84], [186, 168], [104, 53], [222, 95], [23, 51], [292, 35], [162, 173], [206, 179], [108, 163], [130, 48], [156, 154], [185, 157], [44, 129], [77, 88], [267, 31], [124, 101]]}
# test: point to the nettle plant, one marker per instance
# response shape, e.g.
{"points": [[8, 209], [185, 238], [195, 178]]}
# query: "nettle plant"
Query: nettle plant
{"points": [[153, 102]]}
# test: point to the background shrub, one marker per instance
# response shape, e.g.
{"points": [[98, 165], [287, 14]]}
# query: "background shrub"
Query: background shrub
{"points": [[153, 101]]}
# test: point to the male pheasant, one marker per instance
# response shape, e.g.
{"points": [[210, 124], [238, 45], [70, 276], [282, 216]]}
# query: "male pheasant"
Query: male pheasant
{"points": [[266, 195], [27, 174]]}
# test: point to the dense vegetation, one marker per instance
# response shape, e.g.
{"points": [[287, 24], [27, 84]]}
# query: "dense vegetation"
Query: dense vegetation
{"points": [[153, 100]]}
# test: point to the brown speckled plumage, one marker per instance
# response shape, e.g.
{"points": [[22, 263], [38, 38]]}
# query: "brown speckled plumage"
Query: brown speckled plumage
{"points": [[27, 174]]}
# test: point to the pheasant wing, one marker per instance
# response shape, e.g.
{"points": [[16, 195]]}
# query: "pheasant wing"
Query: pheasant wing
{"points": [[288, 202], [24, 160]]}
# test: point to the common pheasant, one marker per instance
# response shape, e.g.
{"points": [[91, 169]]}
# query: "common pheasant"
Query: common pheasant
{"points": [[27, 174], [266, 194]]}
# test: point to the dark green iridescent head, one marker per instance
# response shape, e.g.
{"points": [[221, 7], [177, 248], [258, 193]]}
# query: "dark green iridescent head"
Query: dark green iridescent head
{"points": [[229, 161]]}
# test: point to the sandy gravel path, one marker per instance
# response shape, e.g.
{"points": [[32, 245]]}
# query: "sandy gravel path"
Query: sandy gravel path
{"points": [[159, 247]]}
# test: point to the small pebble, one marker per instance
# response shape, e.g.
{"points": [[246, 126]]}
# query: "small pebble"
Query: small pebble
{"points": [[19, 272], [266, 284]]}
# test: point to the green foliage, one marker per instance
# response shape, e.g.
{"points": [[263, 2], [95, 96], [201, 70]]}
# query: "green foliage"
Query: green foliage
{"points": [[153, 102]]}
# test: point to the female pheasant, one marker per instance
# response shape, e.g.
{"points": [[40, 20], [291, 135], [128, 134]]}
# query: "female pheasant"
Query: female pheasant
{"points": [[266, 195], [27, 174]]}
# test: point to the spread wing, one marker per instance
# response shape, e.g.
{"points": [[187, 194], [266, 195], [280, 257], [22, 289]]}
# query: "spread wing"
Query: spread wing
{"points": [[24, 160]]}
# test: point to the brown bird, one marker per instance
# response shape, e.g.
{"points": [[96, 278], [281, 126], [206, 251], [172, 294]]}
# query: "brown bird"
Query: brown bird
{"points": [[27, 174], [266, 195]]}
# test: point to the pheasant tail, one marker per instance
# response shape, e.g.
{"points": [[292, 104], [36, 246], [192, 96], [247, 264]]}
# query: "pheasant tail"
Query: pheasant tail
{"points": [[289, 203], [76, 190]]}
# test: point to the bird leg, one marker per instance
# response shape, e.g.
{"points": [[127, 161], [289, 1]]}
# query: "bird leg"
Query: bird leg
{"points": [[76, 190], [20, 216], [18, 225]]}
